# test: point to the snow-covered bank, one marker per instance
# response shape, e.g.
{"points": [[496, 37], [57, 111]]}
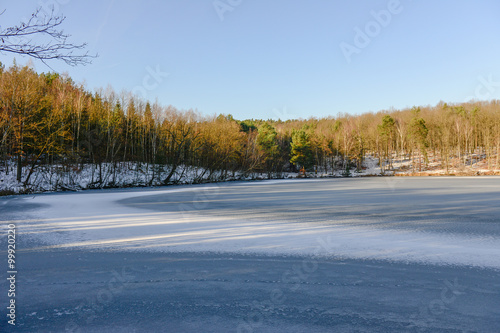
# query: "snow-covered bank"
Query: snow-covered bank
{"points": [[54, 178], [121, 175], [100, 220]]}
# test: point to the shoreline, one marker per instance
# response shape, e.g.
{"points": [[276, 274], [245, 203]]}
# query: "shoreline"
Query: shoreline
{"points": [[9, 192]]}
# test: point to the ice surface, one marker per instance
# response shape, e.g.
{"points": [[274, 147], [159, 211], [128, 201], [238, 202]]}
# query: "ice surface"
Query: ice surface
{"points": [[428, 220]]}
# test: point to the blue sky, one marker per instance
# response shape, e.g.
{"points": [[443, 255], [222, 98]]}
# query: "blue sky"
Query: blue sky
{"points": [[282, 58]]}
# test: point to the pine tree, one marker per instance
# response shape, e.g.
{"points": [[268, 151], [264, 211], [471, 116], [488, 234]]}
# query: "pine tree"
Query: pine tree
{"points": [[301, 154], [418, 133]]}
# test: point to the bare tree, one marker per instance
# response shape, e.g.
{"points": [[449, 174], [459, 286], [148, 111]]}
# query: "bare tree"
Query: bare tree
{"points": [[53, 44]]}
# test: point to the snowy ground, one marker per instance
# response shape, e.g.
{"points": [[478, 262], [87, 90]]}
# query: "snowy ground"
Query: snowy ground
{"points": [[472, 165], [56, 178], [428, 231]]}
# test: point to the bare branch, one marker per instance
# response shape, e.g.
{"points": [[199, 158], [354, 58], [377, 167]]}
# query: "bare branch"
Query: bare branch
{"points": [[18, 39]]}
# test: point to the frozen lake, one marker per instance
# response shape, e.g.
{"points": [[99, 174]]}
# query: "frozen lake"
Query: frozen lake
{"points": [[370, 254]]}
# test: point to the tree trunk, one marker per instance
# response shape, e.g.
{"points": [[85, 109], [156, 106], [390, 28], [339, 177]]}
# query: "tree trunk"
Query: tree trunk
{"points": [[19, 167]]}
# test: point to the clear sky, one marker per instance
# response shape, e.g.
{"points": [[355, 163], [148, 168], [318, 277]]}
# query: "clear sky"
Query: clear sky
{"points": [[283, 58]]}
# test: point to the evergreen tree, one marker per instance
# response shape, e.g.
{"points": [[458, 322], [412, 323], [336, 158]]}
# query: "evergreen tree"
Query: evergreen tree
{"points": [[268, 143], [386, 131], [301, 153], [418, 133]]}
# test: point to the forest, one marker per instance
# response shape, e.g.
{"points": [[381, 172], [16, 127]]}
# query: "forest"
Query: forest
{"points": [[49, 122]]}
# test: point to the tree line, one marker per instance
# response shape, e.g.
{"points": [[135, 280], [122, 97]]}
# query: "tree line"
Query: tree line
{"points": [[48, 119]]}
